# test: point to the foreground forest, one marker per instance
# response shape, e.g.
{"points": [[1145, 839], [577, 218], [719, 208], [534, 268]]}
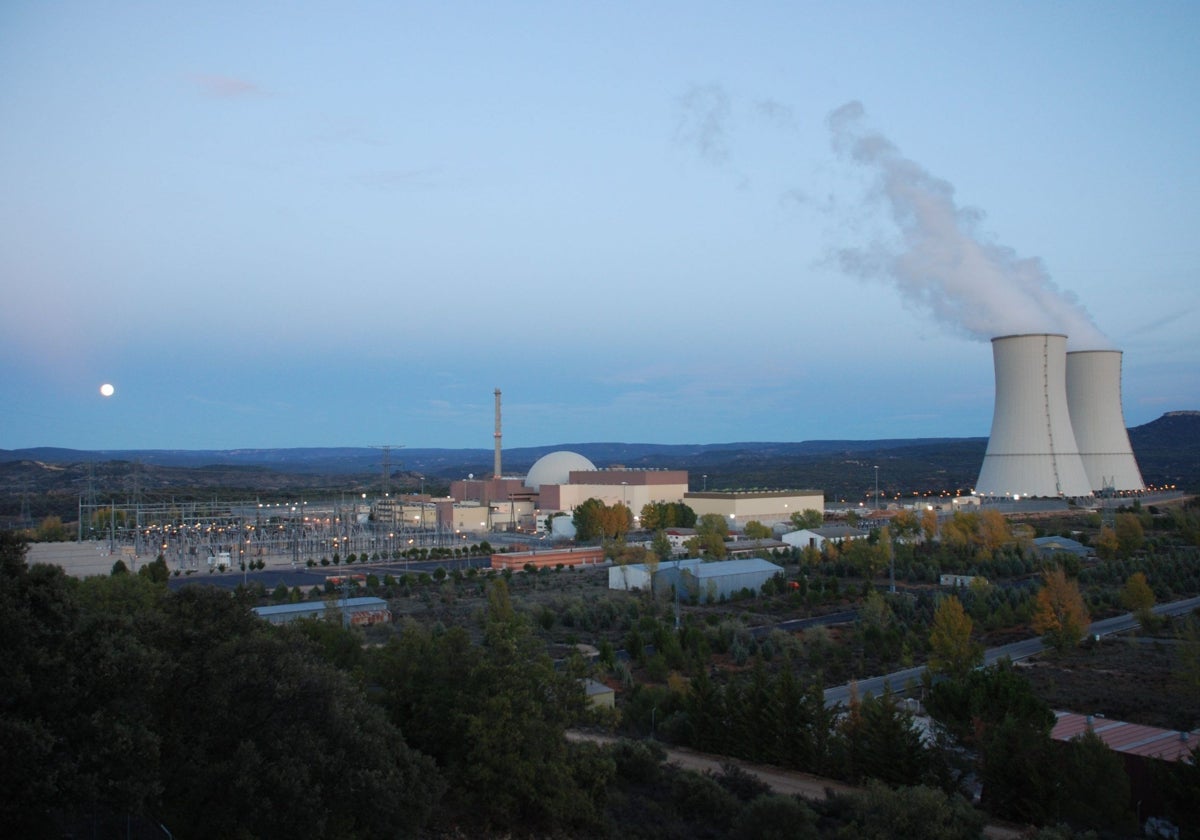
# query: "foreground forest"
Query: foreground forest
{"points": [[126, 704]]}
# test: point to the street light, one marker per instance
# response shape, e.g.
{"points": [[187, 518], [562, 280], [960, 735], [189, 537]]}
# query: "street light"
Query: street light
{"points": [[877, 487]]}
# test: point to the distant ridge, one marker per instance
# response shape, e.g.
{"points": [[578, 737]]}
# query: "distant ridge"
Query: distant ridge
{"points": [[1167, 449], [351, 460]]}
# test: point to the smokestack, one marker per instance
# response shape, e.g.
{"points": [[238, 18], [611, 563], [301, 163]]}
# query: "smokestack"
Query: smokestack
{"points": [[1094, 400], [496, 463], [1032, 449]]}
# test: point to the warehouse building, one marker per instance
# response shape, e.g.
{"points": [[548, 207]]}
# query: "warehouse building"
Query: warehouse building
{"points": [[361, 611], [710, 582], [584, 556], [637, 575], [817, 537], [769, 507]]}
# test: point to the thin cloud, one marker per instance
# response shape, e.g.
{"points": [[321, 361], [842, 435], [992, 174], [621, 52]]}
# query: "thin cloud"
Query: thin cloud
{"points": [[226, 87], [1159, 323], [702, 122], [399, 180], [776, 114]]}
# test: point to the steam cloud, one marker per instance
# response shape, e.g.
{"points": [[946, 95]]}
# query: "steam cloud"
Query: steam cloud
{"points": [[940, 264]]}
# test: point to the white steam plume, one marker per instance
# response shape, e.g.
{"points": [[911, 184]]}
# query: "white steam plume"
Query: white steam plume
{"points": [[941, 264]]}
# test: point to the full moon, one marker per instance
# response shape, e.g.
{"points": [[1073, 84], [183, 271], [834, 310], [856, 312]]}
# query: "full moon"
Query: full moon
{"points": [[107, 390]]}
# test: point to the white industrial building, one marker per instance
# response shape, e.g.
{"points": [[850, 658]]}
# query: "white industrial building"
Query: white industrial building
{"points": [[709, 582], [565, 487], [637, 575], [766, 506], [355, 611], [818, 537]]}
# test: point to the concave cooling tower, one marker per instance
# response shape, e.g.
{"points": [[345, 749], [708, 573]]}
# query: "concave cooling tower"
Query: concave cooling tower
{"points": [[1032, 449], [1094, 400]]}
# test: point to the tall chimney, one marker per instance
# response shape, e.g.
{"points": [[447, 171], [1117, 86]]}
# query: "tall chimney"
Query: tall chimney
{"points": [[496, 465], [1032, 449]]}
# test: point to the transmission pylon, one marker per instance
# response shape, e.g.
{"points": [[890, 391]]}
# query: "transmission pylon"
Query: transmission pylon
{"points": [[387, 463]]}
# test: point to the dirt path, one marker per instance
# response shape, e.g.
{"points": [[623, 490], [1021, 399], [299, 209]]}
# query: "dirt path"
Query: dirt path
{"points": [[789, 782], [779, 780]]}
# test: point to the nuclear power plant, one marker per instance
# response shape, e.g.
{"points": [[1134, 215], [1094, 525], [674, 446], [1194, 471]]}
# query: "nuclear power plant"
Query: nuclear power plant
{"points": [[1058, 429]]}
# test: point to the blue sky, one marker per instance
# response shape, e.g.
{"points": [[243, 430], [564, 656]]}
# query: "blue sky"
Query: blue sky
{"points": [[325, 224]]}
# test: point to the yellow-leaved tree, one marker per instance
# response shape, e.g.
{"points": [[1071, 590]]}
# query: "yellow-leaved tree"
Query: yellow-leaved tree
{"points": [[1138, 598], [1060, 615], [951, 649]]}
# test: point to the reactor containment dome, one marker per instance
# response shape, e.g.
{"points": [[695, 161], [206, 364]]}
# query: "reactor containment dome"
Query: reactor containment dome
{"points": [[556, 468]]}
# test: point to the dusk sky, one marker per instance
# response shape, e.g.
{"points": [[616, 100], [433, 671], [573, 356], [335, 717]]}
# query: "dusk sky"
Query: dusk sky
{"points": [[345, 224]]}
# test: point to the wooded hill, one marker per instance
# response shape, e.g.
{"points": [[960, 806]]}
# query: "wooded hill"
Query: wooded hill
{"points": [[51, 480]]}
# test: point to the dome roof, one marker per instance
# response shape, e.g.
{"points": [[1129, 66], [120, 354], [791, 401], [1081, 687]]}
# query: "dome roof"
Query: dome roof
{"points": [[556, 468]]}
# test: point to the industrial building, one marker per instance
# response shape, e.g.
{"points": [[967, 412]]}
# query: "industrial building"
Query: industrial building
{"points": [[695, 578], [358, 611], [561, 481], [565, 480], [769, 507], [818, 537], [710, 582], [583, 556], [633, 576]]}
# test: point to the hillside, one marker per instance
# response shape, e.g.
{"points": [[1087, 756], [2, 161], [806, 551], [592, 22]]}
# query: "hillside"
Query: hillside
{"points": [[51, 480]]}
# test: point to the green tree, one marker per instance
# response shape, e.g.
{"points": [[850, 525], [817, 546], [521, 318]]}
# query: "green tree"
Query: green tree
{"points": [[651, 517], [1060, 615], [595, 520], [493, 717], [919, 813], [994, 713], [156, 570], [1094, 786], [1187, 671], [659, 515], [775, 817], [1138, 598], [51, 529], [291, 743], [952, 652], [1107, 546], [1179, 782], [755, 530], [880, 742], [714, 524], [588, 520], [13, 549], [660, 546], [807, 519], [1130, 535]]}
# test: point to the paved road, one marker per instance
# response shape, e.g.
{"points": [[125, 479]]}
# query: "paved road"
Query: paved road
{"points": [[900, 681], [797, 624]]}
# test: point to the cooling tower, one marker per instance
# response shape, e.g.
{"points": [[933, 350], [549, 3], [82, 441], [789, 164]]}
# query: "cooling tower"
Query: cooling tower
{"points": [[1094, 400], [1032, 449]]}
